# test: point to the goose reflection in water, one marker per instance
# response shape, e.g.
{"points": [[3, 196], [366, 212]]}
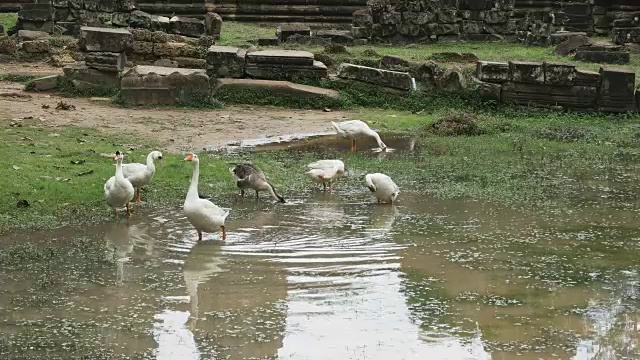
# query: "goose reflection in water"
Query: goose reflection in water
{"points": [[121, 240], [203, 262], [175, 341]]}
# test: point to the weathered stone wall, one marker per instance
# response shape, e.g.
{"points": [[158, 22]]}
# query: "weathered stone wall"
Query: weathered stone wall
{"points": [[558, 86]]}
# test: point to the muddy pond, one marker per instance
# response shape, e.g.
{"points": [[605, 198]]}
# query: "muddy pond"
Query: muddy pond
{"points": [[334, 277]]}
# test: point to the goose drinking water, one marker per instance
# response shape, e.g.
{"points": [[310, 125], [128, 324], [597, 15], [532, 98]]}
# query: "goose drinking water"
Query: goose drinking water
{"points": [[249, 176], [382, 187], [353, 129]]}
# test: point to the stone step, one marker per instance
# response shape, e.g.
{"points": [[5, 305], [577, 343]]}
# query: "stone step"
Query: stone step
{"points": [[285, 71], [385, 78], [283, 57], [275, 87]]}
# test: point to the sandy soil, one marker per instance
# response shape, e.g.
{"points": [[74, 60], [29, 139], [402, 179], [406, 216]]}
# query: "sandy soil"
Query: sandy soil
{"points": [[174, 129]]}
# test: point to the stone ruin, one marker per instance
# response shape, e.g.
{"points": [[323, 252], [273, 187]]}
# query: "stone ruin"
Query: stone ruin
{"points": [[530, 21], [558, 85], [67, 16]]}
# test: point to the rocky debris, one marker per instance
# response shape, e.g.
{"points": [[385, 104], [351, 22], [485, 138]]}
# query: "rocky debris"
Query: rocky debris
{"points": [[561, 74], [603, 54], [188, 26], [1, 29], [306, 40], [283, 32], [335, 49], [213, 24], [275, 87], [61, 105], [152, 85], [106, 61], [105, 39], [562, 36], [526, 72], [35, 46], [496, 72], [44, 83], [28, 35], [616, 91], [380, 77], [225, 62], [274, 41], [571, 44], [451, 80]]}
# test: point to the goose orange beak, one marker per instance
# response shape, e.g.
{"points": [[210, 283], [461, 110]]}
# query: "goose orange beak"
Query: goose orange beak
{"points": [[189, 157]]}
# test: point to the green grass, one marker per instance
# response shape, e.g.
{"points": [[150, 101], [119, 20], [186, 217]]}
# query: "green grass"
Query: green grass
{"points": [[25, 79], [521, 158], [238, 33], [8, 20]]}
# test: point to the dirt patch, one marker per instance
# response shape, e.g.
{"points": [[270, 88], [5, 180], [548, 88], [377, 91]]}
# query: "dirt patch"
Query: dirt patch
{"points": [[456, 124], [172, 128], [30, 69]]}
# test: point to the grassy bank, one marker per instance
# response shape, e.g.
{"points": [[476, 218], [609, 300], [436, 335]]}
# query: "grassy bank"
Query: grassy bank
{"points": [[513, 157], [8, 20]]}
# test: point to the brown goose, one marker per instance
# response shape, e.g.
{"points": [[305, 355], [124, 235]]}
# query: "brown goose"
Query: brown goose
{"points": [[249, 176]]}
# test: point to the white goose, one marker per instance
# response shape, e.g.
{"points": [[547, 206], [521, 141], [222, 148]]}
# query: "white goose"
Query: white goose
{"points": [[381, 185], [355, 128], [139, 174], [323, 171], [204, 215], [118, 191]]}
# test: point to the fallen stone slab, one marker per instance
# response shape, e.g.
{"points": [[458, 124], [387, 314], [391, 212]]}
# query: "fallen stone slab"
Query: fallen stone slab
{"points": [[284, 72], [36, 46], [616, 91], [454, 57], [275, 87], [225, 62], [451, 80], [288, 57], [526, 72], [31, 12], [490, 71], [385, 78], [95, 78], [625, 35], [44, 83], [602, 56], [105, 39], [560, 37], [571, 44], [188, 26], [561, 74], [273, 41], [27, 35], [284, 31], [488, 91], [153, 85], [336, 36], [106, 61]]}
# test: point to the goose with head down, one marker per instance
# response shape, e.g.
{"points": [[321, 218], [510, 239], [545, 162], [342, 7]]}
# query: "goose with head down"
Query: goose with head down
{"points": [[139, 174], [118, 191], [204, 215], [353, 129], [382, 187], [249, 176], [323, 171]]}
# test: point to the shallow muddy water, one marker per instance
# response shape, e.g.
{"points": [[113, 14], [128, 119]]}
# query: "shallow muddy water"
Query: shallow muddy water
{"points": [[333, 277]]}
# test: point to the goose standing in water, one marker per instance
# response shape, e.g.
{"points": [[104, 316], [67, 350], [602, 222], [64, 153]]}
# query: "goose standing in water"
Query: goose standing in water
{"points": [[118, 191], [139, 174], [249, 176], [355, 128], [382, 187], [204, 215], [323, 171]]}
